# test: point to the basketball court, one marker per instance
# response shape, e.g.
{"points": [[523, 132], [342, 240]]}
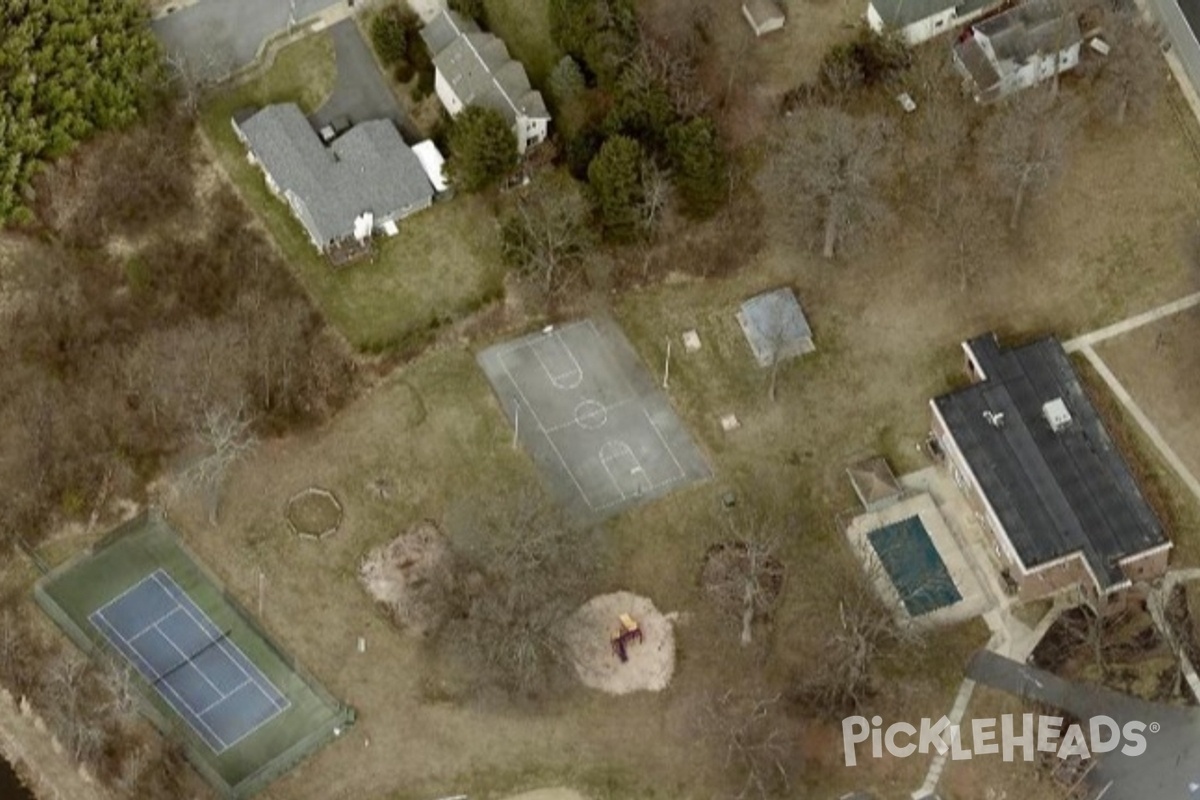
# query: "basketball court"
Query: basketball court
{"points": [[592, 417]]}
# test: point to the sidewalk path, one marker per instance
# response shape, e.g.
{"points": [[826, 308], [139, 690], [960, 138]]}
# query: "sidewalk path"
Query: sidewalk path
{"points": [[1132, 323], [1143, 422]]}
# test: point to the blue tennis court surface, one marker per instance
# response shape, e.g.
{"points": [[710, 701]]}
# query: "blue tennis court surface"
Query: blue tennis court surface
{"points": [[913, 564], [189, 661]]}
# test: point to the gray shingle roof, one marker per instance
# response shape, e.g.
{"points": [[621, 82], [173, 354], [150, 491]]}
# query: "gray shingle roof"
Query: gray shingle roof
{"points": [[900, 13], [369, 168], [1033, 27], [1055, 493], [478, 67]]}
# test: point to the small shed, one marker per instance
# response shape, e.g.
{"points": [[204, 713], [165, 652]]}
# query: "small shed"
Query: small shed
{"points": [[433, 163], [764, 16], [874, 483], [775, 327]]}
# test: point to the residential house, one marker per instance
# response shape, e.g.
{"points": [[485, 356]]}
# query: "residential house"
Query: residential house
{"points": [[1025, 444], [475, 69], [362, 182], [1018, 48], [764, 16], [918, 20]]}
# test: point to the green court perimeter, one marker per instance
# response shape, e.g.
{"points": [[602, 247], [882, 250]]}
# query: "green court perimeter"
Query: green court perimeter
{"points": [[122, 562]]}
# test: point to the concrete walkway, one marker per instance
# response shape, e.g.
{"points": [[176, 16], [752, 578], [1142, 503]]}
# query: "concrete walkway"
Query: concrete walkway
{"points": [[1132, 323], [1143, 422]]}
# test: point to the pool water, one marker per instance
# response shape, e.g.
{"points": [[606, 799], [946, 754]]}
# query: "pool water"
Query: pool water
{"points": [[912, 562]]}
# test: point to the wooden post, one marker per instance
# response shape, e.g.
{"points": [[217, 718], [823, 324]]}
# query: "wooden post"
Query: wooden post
{"points": [[262, 581], [667, 366], [516, 421]]}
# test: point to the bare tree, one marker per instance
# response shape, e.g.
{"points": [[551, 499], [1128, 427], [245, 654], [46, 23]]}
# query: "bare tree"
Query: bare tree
{"points": [[834, 166], [227, 438], [521, 571], [742, 574], [547, 237], [865, 632], [67, 684], [748, 728], [1024, 145], [966, 244], [1131, 77]]}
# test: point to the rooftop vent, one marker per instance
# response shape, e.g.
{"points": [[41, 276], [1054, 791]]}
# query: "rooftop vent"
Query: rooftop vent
{"points": [[1056, 414], [994, 418]]}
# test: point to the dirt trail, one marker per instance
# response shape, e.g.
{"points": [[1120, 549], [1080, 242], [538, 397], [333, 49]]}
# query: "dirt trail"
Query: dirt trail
{"points": [[41, 765]]}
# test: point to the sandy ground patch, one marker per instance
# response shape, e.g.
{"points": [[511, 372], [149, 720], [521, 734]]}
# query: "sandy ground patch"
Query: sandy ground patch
{"points": [[651, 662], [406, 577]]}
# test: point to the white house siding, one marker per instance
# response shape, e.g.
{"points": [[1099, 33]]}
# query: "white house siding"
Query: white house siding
{"points": [[530, 131], [446, 94]]}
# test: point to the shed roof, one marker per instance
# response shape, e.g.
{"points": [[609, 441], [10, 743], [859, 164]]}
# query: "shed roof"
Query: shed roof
{"points": [[901, 13], [1055, 492], [874, 482], [432, 162], [367, 169], [775, 326], [763, 11]]}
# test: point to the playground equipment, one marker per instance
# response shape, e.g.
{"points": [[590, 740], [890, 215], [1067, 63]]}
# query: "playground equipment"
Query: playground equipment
{"points": [[628, 632]]}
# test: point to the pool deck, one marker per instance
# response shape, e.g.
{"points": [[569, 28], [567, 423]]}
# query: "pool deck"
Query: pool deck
{"points": [[947, 524]]}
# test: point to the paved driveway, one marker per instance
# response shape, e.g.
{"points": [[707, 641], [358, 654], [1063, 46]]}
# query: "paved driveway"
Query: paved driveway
{"points": [[217, 37], [360, 93], [1169, 769]]}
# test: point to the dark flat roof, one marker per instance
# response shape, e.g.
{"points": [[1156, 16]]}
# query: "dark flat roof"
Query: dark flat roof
{"points": [[1055, 493]]}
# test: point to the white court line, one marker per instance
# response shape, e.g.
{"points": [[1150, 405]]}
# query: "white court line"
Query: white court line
{"points": [[122, 596], [221, 646], [620, 453], [159, 683], [223, 698], [278, 711], [575, 422], [667, 447], [542, 429], [154, 624], [553, 377], [189, 661]]}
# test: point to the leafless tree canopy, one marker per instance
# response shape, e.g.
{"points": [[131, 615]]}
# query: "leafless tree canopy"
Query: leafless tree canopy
{"points": [[522, 570], [1024, 144], [742, 574], [548, 237], [834, 168], [862, 634], [748, 729], [1130, 79]]}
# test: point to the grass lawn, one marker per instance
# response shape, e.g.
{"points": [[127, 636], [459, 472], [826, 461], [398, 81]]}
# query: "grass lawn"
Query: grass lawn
{"points": [[443, 264], [524, 25]]}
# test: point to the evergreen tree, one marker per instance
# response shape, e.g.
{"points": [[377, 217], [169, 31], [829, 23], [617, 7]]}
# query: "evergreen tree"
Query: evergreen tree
{"points": [[615, 180], [68, 68], [483, 149], [699, 165]]}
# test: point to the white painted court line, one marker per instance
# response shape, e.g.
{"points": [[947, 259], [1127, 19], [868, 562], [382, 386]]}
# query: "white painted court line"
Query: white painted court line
{"points": [[157, 685], [278, 711], [662, 440], [220, 644], [188, 661], [154, 624], [223, 698]]}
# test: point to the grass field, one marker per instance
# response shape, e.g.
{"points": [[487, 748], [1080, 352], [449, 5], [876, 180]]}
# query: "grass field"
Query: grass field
{"points": [[442, 265], [525, 28], [70, 595]]}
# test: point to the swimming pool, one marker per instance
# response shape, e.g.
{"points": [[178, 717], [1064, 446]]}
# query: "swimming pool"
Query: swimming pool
{"points": [[912, 562]]}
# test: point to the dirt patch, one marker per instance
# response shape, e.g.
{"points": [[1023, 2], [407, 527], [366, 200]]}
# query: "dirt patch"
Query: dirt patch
{"points": [[589, 642], [407, 577], [314, 513], [728, 566]]}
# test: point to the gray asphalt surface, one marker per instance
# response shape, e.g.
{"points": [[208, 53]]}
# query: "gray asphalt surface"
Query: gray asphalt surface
{"points": [[360, 93], [1181, 21], [217, 37], [1168, 769]]}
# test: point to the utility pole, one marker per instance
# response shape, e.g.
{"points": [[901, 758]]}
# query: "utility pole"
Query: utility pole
{"points": [[516, 422], [667, 366]]}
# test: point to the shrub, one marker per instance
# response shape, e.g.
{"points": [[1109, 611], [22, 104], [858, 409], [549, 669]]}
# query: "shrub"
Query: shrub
{"points": [[483, 149], [391, 32], [614, 177]]}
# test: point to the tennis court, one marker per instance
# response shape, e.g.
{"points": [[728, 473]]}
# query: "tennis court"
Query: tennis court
{"points": [[916, 570], [207, 674], [189, 661]]}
